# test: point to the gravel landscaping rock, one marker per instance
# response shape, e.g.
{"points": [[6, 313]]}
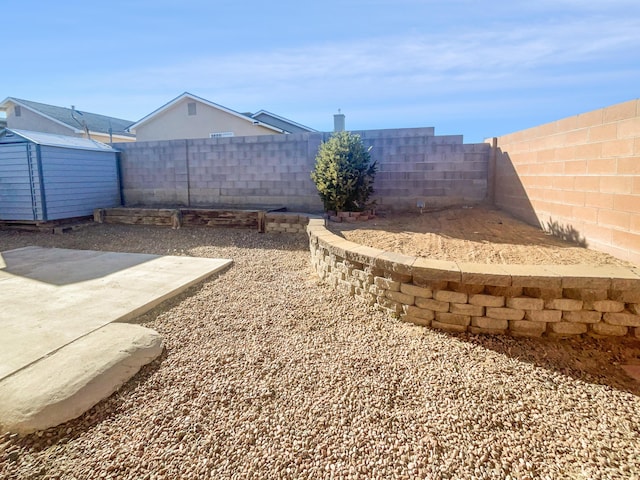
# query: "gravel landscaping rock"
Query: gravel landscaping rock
{"points": [[269, 374]]}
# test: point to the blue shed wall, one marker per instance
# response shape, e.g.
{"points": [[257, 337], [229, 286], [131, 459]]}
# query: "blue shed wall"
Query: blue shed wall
{"points": [[78, 181], [20, 194]]}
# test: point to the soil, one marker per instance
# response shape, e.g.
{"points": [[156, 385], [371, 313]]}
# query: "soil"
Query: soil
{"points": [[477, 234]]}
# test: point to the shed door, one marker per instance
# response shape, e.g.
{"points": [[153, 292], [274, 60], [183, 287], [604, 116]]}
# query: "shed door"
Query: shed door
{"points": [[20, 198]]}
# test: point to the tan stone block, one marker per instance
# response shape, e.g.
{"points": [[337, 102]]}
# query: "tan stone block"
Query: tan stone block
{"points": [[582, 316], [544, 293], [469, 289], [546, 316], [418, 312], [609, 330], [398, 277], [634, 308], [362, 254], [497, 291], [484, 274], [416, 291], [453, 318], [386, 284], [626, 296], [583, 276], [448, 296], [431, 285], [395, 262], [505, 313], [526, 328], [567, 304], [587, 294], [344, 287], [486, 331], [525, 303], [449, 327], [388, 304], [533, 276], [626, 319], [435, 270], [431, 304], [400, 297], [568, 328], [375, 290], [609, 306], [416, 320], [490, 323], [626, 278], [486, 300], [338, 246], [365, 279], [466, 309]]}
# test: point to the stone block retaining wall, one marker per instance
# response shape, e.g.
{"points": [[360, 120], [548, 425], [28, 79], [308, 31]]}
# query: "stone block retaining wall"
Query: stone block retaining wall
{"points": [[263, 221], [525, 300]]}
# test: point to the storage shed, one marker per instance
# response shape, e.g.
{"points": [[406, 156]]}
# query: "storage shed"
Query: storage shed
{"points": [[46, 177]]}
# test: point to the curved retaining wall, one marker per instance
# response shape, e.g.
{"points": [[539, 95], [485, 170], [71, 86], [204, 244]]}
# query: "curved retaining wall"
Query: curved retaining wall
{"points": [[528, 300]]}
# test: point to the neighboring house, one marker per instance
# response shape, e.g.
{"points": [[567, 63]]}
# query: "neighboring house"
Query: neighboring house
{"points": [[277, 121], [40, 117], [190, 116]]}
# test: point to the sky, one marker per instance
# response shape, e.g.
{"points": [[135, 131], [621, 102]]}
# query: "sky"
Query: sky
{"points": [[471, 68]]}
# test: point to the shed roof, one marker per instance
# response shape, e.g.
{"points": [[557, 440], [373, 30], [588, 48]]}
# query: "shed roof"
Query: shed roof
{"points": [[95, 123], [55, 140]]}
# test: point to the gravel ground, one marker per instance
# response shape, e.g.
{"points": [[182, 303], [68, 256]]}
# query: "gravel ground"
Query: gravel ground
{"points": [[269, 374]]}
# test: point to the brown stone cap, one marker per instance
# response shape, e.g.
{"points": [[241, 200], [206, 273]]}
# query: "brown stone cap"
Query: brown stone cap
{"points": [[600, 277]]}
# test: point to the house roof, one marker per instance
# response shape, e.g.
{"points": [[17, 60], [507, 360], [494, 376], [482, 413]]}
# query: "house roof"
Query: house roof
{"points": [[97, 124], [281, 122], [55, 140], [188, 95]]}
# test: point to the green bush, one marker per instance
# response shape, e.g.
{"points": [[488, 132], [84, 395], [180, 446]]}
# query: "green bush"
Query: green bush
{"points": [[343, 173]]}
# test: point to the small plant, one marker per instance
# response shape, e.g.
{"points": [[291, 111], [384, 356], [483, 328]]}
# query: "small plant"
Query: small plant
{"points": [[343, 173]]}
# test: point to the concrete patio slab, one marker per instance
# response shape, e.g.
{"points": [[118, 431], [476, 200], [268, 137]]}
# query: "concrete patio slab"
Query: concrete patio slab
{"points": [[50, 297], [60, 350]]}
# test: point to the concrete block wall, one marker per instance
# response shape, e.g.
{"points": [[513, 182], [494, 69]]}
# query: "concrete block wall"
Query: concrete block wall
{"points": [[578, 177], [274, 170], [519, 300], [438, 170]]}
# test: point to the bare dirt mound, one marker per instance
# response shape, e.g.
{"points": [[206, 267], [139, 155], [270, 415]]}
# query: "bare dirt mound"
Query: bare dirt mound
{"points": [[476, 234]]}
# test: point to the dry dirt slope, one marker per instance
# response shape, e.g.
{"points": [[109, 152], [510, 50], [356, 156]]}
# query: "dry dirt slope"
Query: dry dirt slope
{"points": [[469, 234]]}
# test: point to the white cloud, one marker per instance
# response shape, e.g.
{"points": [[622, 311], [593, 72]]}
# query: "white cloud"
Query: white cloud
{"points": [[443, 73]]}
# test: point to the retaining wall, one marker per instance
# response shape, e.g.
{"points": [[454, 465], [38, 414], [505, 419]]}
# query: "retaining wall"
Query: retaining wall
{"points": [[578, 178], [527, 300], [274, 170], [263, 221]]}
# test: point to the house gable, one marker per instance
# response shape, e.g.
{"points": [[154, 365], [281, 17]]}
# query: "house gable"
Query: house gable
{"points": [[22, 118], [29, 115], [189, 116]]}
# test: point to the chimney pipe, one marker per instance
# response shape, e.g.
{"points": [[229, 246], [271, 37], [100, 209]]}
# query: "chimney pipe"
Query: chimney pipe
{"points": [[338, 122]]}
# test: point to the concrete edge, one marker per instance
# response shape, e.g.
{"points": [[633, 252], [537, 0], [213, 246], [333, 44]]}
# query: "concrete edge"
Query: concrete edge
{"points": [[67, 383]]}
